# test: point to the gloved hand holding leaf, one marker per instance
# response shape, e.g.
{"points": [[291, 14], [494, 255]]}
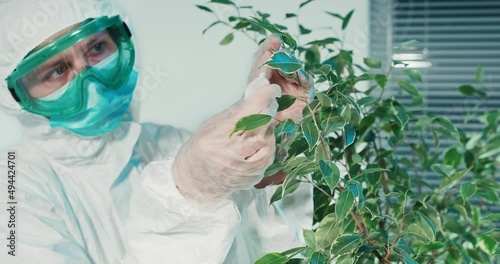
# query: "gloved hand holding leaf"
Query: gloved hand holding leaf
{"points": [[211, 164], [282, 68]]}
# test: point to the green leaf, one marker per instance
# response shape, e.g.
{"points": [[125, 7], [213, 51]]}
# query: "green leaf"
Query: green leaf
{"points": [[451, 181], [251, 122], [493, 142], [353, 103], [429, 224], [470, 90], [324, 100], [297, 147], [327, 231], [311, 134], [346, 19], [293, 251], [277, 195], [479, 74], [224, 2], [444, 170], [335, 15], [334, 124], [431, 246], [242, 24], [414, 75], [318, 258], [357, 190], [323, 42], [296, 162], [346, 259], [346, 113], [349, 135], [204, 8], [409, 260], [491, 217], [381, 80], [489, 153], [356, 158], [323, 70], [305, 3], [285, 127], [321, 153], [290, 15], [285, 101], [227, 39], [367, 101], [290, 185], [284, 62], [487, 244], [436, 138], [263, 23], [402, 116], [446, 124], [365, 77], [434, 216], [344, 204], [345, 244], [467, 89], [210, 26], [461, 210], [409, 88], [408, 43], [273, 169], [452, 157], [373, 170], [309, 237], [302, 170], [473, 140], [373, 62], [417, 232], [271, 258], [263, 15], [350, 100], [467, 190], [330, 173], [303, 30]]}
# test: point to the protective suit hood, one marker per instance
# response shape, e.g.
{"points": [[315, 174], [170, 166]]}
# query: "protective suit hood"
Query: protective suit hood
{"points": [[26, 24]]}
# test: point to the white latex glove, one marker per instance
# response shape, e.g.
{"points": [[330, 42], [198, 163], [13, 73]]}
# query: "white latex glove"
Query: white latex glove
{"points": [[301, 86], [210, 165]]}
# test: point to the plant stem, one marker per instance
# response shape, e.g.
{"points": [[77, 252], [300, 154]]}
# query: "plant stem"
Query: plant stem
{"points": [[317, 187], [312, 111]]}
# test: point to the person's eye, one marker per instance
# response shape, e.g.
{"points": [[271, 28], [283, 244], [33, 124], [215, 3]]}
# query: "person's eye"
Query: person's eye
{"points": [[57, 72], [97, 49], [99, 46]]}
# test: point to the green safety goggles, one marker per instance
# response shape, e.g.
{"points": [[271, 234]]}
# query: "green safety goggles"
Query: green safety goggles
{"points": [[51, 81]]}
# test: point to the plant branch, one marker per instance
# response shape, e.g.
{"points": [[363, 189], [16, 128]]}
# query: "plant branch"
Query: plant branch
{"points": [[317, 187]]}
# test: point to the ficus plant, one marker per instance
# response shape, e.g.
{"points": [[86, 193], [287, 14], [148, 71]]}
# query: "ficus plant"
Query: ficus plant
{"points": [[371, 202]]}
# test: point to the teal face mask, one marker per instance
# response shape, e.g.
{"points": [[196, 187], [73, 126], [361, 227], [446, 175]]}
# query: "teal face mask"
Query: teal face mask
{"points": [[104, 109]]}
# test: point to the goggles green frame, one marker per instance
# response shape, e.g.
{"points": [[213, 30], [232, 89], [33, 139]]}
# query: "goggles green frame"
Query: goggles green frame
{"points": [[38, 57]]}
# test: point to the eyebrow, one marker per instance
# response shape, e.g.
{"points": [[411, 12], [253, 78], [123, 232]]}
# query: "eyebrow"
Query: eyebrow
{"points": [[95, 38]]}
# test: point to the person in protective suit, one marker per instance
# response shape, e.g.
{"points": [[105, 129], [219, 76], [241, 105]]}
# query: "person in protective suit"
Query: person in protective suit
{"points": [[93, 185]]}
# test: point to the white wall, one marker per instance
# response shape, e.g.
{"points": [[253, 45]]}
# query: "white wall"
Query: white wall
{"points": [[188, 77]]}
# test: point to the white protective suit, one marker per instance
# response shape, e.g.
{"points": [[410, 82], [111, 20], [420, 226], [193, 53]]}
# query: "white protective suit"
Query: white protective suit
{"points": [[111, 199]]}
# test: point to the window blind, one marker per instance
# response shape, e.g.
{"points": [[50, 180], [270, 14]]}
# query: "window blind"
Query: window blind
{"points": [[454, 37]]}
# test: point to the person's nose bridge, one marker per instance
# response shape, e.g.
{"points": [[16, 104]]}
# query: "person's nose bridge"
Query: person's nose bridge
{"points": [[78, 59]]}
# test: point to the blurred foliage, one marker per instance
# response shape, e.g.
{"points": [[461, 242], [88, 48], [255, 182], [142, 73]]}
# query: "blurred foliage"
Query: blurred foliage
{"points": [[371, 203]]}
